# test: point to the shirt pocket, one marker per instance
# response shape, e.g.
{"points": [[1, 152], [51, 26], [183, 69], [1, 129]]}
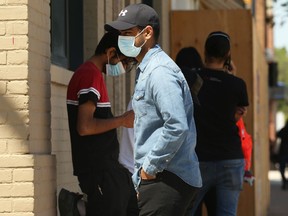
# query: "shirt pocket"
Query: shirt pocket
{"points": [[140, 105]]}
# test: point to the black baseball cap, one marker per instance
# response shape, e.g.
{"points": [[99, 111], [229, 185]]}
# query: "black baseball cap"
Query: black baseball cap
{"points": [[134, 15]]}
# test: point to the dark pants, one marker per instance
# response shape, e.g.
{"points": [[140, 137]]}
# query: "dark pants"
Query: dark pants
{"points": [[210, 204], [110, 192], [283, 160], [167, 195]]}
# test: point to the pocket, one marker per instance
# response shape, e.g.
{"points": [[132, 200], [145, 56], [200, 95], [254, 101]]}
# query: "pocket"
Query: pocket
{"points": [[139, 105], [233, 174]]}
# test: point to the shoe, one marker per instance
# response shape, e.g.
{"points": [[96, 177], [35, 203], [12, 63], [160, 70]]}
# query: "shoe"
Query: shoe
{"points": [[248, 177], [67, 202]]}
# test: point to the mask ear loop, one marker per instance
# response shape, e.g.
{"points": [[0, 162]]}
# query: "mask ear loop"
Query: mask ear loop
{"points": [[123, 70], [138, 36], [108, 58], [118, 56], [107, 65], [140, 33], [113, 57]]}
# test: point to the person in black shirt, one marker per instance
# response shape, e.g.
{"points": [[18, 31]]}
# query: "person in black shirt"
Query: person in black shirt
{"points": [[283, 153], [218, 143], [189, 60]]}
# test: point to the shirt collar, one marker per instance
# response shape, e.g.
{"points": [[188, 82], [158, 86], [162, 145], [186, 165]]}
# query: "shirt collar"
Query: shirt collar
{"points": [[148, 56]]}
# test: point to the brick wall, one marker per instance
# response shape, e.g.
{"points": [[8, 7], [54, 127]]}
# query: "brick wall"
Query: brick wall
{"points": [[59, 129], [35, 153], [27, 168]]}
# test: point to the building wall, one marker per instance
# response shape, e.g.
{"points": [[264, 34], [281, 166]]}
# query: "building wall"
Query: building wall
{"points": [[260, 15], [27, 168], [260, 127], [35, 153], [60, 139], [251, 64]]}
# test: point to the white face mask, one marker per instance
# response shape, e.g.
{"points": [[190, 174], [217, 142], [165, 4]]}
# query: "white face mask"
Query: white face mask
{"points": [[114, 70], [127, 46]]}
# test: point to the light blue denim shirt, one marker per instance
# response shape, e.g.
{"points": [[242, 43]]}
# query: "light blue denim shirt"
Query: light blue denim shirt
{"points": [[165, 133]]}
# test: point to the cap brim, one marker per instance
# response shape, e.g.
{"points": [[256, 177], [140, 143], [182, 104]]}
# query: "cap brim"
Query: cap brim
{"points": [[118, 25]]}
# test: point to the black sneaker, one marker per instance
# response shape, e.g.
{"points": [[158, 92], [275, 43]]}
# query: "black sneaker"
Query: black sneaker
{"points": [[67, 203]]}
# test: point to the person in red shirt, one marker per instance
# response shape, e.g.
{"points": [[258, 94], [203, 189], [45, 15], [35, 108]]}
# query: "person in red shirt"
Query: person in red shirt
{"points": [[94, 142]]}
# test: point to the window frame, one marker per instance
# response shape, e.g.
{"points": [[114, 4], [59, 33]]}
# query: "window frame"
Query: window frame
{"points": [[67, 33]]}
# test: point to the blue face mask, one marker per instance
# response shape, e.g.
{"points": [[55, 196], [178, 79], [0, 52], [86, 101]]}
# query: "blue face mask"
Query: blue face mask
{"points": [[114, 70], [126, 45]]}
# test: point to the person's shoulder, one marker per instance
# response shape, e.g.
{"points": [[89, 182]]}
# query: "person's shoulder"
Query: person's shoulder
{"points": [[87, 68], [204, 70], [238, 80], [190, 73], [86, 65], [191, 70], [162, 61]]}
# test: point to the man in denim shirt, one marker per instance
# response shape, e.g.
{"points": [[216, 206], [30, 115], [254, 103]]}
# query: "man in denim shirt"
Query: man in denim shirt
{"points": [[167, 173]]}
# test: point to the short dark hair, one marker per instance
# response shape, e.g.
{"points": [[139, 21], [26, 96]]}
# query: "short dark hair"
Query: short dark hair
{"points": [[156, 30], [109, 39], [217, 45], [189, 57]]}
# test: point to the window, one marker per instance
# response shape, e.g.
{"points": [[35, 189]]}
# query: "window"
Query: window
{"points": [[67, 33]]}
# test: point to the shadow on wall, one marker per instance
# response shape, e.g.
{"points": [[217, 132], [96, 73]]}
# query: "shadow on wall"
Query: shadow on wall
{"points": [[14, 120]]}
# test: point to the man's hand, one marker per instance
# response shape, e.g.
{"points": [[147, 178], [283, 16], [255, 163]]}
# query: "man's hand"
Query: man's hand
{"points": [[146, 176], [128, 119], [240, 112], [249, 178]]}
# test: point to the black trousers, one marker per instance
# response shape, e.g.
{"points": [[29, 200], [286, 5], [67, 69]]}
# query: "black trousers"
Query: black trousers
{"points": [[167, 195], [110, 192]]}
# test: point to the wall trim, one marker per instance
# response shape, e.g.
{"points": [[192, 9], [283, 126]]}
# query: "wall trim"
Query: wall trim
{"points": [[60, 75]]}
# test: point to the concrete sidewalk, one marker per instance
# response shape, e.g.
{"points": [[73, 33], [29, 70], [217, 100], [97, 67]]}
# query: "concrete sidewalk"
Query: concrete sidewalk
{"points": [[278, 197]]}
